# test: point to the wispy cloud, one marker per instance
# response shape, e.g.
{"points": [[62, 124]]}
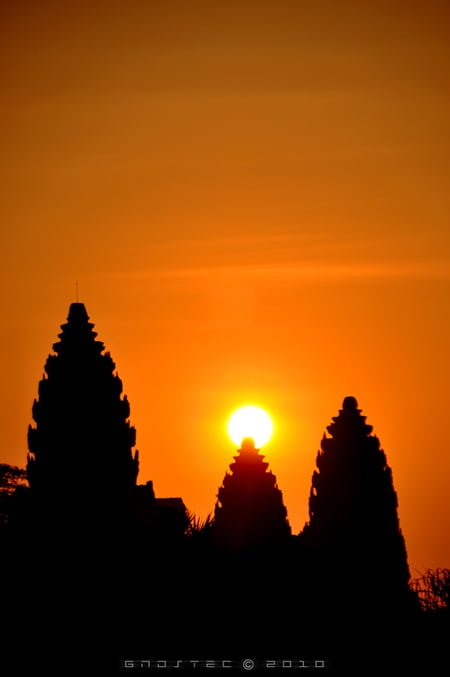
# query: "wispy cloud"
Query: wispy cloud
{"points": [[290, 257], [301, 271]]}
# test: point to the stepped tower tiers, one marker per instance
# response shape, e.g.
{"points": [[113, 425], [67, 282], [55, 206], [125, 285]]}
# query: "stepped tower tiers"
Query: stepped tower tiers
{"points": [[81, 444], [250, 511], [353, 516]]}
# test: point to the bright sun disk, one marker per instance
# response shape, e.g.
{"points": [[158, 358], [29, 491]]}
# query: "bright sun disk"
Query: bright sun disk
{"points": [[251, 422]]}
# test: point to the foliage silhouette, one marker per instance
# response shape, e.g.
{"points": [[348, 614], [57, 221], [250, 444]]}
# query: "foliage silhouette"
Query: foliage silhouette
{"points": [[433, 590], [199, 528], [12, 479]]}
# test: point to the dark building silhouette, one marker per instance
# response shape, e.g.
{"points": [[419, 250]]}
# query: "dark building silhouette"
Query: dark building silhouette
{"points": [[337, 592], [81, 446], [353, 526], [165, 519], [249, 511], [82, 467]]}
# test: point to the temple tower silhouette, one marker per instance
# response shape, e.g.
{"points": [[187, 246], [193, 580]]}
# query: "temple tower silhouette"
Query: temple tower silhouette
{"points": [[353, 520], [81, 444], [249, 511]]}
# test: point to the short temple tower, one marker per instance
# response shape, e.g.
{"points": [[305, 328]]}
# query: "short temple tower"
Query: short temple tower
{"points": [[250, 511]]}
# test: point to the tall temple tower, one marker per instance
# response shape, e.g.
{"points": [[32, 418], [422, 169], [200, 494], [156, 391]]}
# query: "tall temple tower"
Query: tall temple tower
{"points": [[353, 519], [249, 511], [81, 445]]}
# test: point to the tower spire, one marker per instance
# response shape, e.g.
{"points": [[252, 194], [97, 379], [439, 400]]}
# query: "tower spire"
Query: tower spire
{"points": [[353, 520], [81, 444], [249, 511]]}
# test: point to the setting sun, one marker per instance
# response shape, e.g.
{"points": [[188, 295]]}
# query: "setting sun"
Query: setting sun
{"points": [[251, 422]]}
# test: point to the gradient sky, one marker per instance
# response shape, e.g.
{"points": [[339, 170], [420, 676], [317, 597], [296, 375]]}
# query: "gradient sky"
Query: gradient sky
{"points": [[254, 198]]}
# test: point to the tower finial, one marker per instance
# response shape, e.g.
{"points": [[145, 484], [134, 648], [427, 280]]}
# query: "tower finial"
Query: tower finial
{"points": [[350, 403]]}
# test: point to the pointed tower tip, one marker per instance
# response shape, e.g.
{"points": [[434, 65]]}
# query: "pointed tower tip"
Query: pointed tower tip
{"points": [[350, 403]]}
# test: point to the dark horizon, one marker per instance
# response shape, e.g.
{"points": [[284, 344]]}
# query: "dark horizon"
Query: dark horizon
{"points": [[92, 536]]}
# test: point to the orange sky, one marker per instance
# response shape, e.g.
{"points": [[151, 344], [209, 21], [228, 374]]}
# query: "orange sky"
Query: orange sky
{"points": [[254, 199]]}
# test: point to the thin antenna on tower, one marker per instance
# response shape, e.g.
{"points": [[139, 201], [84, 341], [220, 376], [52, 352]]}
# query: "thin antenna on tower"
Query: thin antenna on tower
{"points": [[76, 289]]}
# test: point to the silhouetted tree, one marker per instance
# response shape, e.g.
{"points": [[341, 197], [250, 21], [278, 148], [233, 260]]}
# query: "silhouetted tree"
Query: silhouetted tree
{"points": [[249, 511], [199, 528], [353, 523], [81, 445], [12, 478], [433, 590]]}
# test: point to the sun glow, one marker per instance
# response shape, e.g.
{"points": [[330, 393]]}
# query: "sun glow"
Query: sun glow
{"points": [[251, 422]]}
